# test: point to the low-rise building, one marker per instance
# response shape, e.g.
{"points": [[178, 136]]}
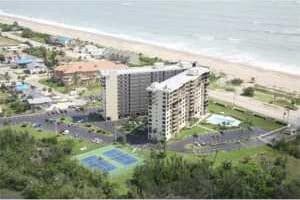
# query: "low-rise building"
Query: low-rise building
{"points": [[60, 40], [36, 68], [176, 101], [83, 71]]}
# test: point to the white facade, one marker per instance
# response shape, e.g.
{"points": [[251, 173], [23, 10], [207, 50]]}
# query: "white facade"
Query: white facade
{"points": [[176, 101], [127, 96]]}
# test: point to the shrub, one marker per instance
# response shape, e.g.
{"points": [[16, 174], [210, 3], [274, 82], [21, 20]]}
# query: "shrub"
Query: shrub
{"points": [[236, 81], [248, 91]]}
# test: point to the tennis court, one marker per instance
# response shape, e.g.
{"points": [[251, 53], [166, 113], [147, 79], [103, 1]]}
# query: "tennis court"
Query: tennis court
{"points": [[120, 157], [97, 163], [109, 159]]}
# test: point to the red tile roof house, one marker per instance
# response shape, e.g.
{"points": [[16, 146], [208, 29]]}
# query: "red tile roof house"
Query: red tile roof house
{"points": [[84, 72]]}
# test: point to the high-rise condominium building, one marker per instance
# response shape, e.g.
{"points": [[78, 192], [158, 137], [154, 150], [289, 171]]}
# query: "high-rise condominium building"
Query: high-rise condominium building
{"points": [[176, 101], [124, 91]]}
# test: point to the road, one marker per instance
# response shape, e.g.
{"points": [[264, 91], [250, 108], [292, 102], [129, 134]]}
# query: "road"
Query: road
{"points": [[272, 111]]}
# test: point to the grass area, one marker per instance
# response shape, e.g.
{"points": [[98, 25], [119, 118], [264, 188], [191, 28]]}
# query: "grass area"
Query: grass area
{"points": [[278, 97], [4, 42], [66, 119], [145, 61], [40, 134], [270, 98], [247, 154], [195, 130], [258, 153], [244, 115], [95, 129], [92, 90], [55, 85]]}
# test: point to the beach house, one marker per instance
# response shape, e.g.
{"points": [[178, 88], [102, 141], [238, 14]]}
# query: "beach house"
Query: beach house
{"points": [[83, 72], [60, 40]]}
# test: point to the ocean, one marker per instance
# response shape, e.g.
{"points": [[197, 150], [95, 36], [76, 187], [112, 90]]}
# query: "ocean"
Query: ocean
{"points": [[264, 33]]}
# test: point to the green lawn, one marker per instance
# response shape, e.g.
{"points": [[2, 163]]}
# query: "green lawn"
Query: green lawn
{"points": [[55, 85], [269, 98], [257, 153], [253, 153], [244, 115], [187, 132], [92, 90]]}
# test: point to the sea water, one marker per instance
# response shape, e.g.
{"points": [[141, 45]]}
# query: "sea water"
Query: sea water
{"points": [[263, 33]]}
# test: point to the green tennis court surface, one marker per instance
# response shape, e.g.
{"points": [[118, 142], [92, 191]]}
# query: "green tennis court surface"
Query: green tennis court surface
{"points": [[109, 159]]}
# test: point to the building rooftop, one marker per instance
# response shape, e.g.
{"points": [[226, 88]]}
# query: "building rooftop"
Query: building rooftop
{"points": [[177, 81], [90, 66], [26, 59], [39, 100], [157, 67]]}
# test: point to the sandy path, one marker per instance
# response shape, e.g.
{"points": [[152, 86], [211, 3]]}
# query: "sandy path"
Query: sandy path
{"points": [[268, 78]]}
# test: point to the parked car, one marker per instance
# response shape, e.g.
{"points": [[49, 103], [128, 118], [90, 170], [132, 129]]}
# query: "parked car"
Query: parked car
{"points": [[96, 140], [65, 132]]}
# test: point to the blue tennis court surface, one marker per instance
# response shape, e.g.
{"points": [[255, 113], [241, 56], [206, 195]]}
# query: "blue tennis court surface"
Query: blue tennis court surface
{"points": [[110, 159], [98, 163], [120, 157]]}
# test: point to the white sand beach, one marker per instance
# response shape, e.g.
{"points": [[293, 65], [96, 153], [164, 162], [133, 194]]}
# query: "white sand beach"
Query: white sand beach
{"points": [[265, 77]]}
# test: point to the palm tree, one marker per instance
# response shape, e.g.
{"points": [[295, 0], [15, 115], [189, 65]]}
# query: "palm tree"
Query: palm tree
{"points": [[246, 125], [75, 79], [7, 76], [195, 136]]}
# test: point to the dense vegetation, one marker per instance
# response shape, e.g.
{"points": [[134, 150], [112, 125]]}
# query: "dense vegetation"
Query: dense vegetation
{"points": [[248, 91], [10, 27], [236, 81], [292, 148], [39, 37], [175, 177], [11, 104], [43, 169]]}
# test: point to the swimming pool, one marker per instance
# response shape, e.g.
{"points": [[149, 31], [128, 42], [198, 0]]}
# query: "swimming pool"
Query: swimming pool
{"points": [[223, 120], [20, 87]]}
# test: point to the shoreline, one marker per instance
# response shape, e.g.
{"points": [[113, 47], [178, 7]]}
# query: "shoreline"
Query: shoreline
{"points": [[266, 77]]}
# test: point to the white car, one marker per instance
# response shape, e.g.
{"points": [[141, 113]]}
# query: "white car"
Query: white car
{"points": [[65, 132], [96, 140]]}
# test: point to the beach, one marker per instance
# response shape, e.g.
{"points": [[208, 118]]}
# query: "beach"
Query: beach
{"points": [[266, 77]]}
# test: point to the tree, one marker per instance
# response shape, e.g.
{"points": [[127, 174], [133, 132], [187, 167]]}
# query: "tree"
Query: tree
{"points": [[75, 79], [7, 76], [55, 175], [2, 58], [175, 177], [27, 33], [236, 81], [246, 125], [248, 91]]}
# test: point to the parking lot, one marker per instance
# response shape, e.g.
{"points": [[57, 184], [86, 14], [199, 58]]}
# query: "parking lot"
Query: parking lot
{"points": [[49, 121], [225, 141]]}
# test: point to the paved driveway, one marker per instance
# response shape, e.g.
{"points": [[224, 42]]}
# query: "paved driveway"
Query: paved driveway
{"points": [[229, 140]]}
